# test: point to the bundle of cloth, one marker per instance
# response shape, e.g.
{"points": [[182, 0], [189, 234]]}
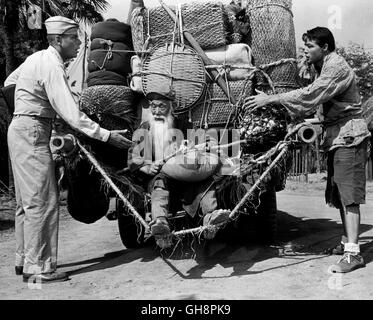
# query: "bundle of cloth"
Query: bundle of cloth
{"points": [[110, 55]]}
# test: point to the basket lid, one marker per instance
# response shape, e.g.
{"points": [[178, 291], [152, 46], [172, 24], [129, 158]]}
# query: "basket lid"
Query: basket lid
{"points": [[179, 67]]}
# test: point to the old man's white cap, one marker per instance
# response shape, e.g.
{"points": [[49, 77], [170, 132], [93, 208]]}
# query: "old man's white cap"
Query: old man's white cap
{"points": [[59, 25]]}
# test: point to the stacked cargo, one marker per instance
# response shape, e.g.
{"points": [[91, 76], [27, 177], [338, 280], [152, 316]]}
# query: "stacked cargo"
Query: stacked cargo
{"points": [[108, 99], [212, 25]]}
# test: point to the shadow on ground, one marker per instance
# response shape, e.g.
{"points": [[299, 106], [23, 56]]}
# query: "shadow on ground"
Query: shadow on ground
{"points": [[111, 260], [299, 240]]}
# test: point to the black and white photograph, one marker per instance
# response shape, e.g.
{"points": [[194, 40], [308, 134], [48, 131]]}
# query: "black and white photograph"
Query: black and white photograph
{"points": [[199, 151]]}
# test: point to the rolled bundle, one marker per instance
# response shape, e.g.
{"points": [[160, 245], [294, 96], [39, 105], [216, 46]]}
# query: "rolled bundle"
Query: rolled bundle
{"points": [[116, 59], [111, 106], [205, 21], [87, 200], [113, 30], [235, 60], [111, 50], [105, 77], [214, 108], [272, 39]]}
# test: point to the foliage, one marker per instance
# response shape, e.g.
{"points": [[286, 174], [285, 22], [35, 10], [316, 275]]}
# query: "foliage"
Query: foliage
{"points": [[13, 24], [361, 61]]}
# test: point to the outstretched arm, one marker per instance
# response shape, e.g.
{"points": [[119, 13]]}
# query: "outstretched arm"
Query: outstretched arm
{"points": [[303, 102]]}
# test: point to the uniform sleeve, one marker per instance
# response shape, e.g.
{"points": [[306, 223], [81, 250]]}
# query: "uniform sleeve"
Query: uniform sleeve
{"points": [[13, 77], [303, 102], [62, 101]]}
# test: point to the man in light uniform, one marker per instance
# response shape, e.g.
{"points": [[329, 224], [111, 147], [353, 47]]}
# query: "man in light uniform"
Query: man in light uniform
{"points": [[41, 92]]}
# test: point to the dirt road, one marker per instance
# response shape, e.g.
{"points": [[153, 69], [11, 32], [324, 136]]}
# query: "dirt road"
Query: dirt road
{"points": [[101, 268]]}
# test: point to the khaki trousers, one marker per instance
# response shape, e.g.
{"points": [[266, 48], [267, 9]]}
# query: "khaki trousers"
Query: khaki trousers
{"points": [[36, 220]]}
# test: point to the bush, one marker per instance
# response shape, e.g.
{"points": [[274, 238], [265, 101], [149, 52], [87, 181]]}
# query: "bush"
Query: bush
{"points": [[361, 61]]}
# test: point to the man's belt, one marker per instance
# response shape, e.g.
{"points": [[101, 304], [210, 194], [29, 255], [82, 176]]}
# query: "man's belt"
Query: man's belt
{"points": [[35, 117]]}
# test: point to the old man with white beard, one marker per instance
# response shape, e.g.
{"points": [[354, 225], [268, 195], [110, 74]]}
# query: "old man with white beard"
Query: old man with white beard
{"points": [[157, 139]]}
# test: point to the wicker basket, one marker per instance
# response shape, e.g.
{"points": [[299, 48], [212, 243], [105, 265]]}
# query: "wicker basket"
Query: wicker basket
{"points": [[203, 20], [178, 66], [214, 109], [111, 106], [273, 38]]}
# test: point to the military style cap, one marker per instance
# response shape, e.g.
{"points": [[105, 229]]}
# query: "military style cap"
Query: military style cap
{"points": [[60, 25]]}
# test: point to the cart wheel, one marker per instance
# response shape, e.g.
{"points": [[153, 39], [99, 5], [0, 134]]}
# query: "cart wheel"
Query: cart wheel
{"points": [[131, 233], [266, 218]]}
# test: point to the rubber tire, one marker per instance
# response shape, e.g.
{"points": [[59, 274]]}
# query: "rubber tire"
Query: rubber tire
{"points": [[128, 230]]}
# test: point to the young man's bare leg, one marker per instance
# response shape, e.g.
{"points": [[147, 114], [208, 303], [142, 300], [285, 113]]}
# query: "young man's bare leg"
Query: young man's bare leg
{"points": [[351, 259], [352, 223]]}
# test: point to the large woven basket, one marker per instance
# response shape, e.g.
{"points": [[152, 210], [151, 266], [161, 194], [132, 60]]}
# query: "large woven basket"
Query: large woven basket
{"points": [[203, 20], [179, 67], [273, 38], [214, 108], [111, 106]]}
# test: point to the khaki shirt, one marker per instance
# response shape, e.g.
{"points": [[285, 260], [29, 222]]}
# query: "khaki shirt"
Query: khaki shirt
{"points": [[336, 90], [42, 90]]}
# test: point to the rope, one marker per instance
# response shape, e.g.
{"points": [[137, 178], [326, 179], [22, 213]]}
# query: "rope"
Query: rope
{"points": [[170, 76], [235, 212], [283, 147]]}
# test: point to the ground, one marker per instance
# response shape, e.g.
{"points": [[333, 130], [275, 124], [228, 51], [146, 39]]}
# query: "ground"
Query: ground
{"points": [[296, 267]]}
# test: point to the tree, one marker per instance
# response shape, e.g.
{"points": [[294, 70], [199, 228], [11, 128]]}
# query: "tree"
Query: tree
{"points": [[13, 19], [361, 61]]}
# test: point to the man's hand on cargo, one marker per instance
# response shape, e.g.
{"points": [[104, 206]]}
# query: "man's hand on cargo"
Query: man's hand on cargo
{"points": [[119, 141], [260, 100]]}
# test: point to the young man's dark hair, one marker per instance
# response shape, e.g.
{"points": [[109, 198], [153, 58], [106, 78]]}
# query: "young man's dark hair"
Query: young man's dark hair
{"points": [[321, 36]]}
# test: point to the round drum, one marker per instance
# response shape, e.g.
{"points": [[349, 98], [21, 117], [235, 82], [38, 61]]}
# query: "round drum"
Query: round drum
{"points": [[178, 66]]}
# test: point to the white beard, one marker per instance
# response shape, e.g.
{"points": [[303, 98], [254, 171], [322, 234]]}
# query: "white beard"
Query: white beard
{"points": [[161, 136]]}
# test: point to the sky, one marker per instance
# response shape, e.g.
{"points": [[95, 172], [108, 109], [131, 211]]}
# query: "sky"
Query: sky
{"points": [[349, 20]]}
